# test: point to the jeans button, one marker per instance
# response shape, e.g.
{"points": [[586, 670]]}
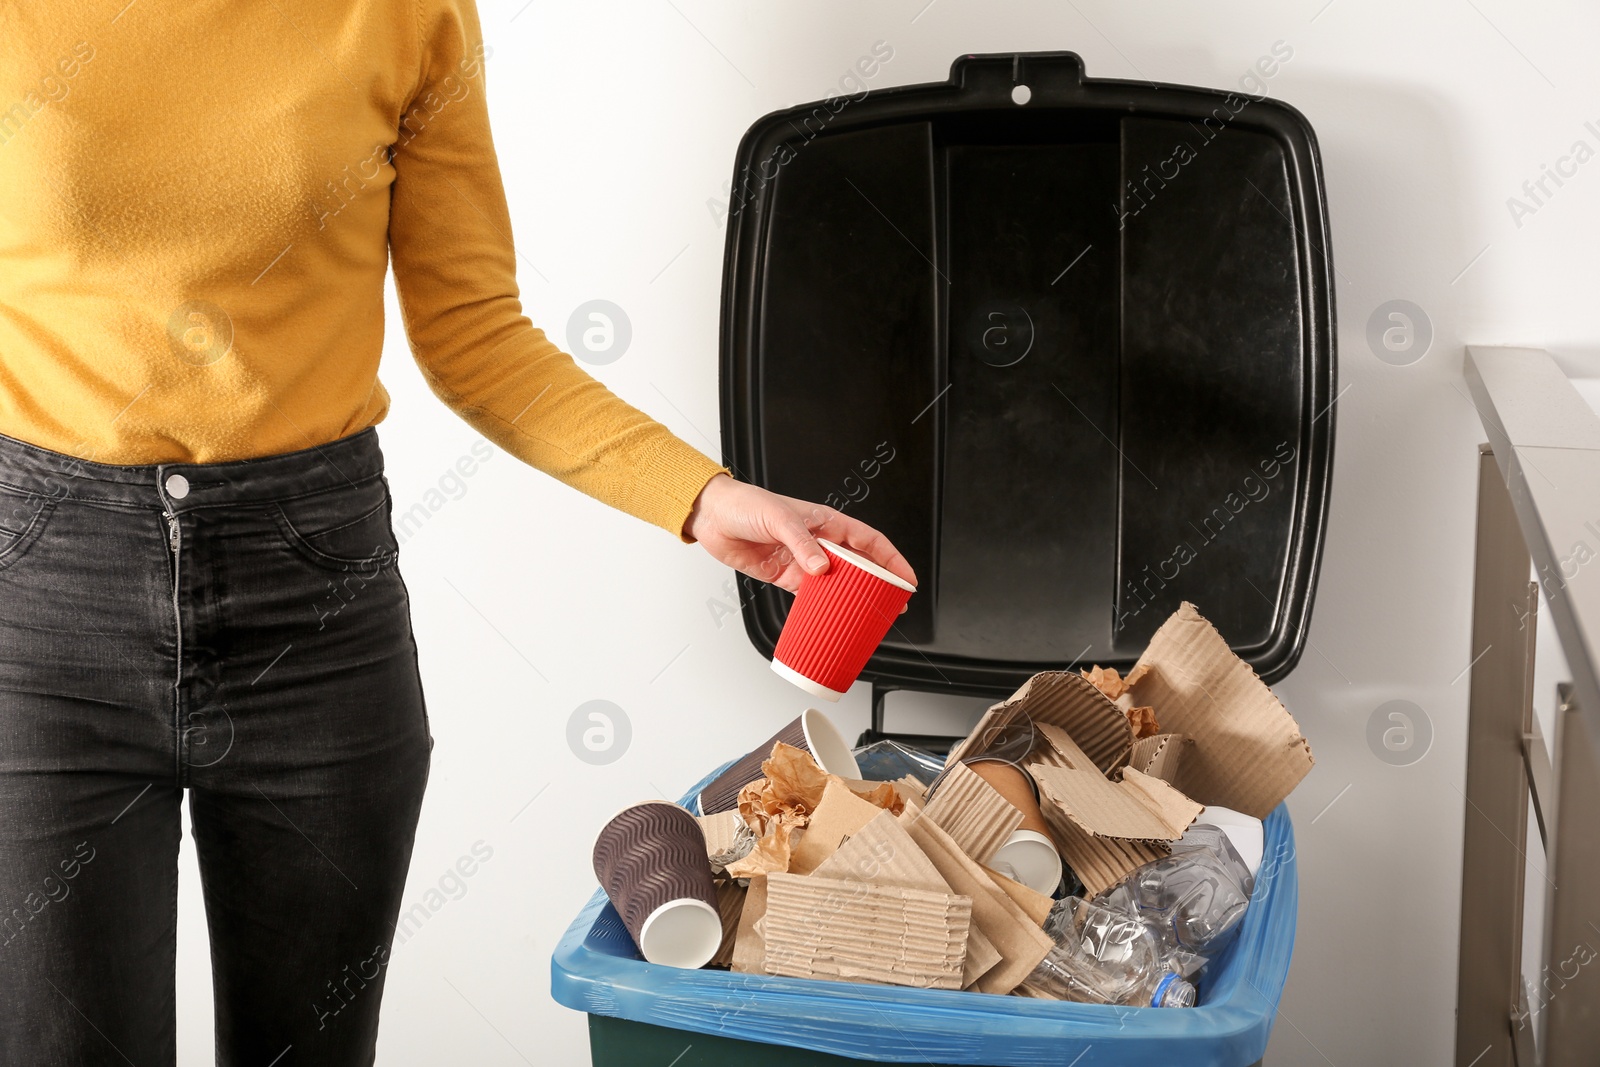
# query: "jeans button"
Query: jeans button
{"points": [[177, 486]]}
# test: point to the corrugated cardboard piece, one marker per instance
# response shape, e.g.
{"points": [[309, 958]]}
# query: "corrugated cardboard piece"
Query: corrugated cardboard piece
{"points": [[1106, 828], [1067, 700], [749, 950], [883, 853], [1159, 755], [1021, 942], [1139, 807], [1248, 751], [973, 813], [855, 931], [1102, 862], [839, 814]]}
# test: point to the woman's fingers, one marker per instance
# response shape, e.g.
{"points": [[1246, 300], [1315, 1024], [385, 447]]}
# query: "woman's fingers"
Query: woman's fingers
{"points": [[774, 538], [791, 531], [858, 536]]}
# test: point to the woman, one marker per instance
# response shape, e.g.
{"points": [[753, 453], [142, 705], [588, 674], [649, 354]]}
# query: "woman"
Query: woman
{"points": [[198, 587]]}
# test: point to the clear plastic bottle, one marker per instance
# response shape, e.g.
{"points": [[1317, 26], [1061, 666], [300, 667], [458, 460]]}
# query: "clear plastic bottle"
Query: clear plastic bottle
{"points": [[1192, 900], [1103, 956]]}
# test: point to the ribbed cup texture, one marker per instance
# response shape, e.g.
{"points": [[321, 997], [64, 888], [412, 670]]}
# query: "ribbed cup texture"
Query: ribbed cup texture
{"points": [[651, 854], [837, 621], [723, 793]]}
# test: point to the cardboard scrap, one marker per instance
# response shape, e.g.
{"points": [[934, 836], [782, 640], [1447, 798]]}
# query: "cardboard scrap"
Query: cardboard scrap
{"points": [[1159, 756], [728, 839], [1139, 807], [1021, 942], [730, 905], [840, 814], [721, 830], [855, 931], [749, 950], [973, 813], [1106, 828], [1102, 862], [911, 788], [1069, 701], [1248, 751], [1037, 905], [883, 853]]}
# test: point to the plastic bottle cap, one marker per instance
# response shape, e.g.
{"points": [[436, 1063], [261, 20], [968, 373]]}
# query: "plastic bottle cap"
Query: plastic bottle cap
{"points": [[1162, 986]]}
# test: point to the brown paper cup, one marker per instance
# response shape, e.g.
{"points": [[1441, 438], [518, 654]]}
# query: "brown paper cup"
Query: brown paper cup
{"points": [[812, 731], [651, 861], [1029, 854]]}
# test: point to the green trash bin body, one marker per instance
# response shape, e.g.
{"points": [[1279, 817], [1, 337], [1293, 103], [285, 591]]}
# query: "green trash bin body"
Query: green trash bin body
{"points": [[620, 1043]]}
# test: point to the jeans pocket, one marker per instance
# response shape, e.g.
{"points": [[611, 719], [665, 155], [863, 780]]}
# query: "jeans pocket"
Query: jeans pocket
{"points": [[23, 516], [344, 529]]}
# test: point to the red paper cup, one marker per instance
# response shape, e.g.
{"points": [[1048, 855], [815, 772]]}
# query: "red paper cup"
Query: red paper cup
{"points": [[837, 621]]}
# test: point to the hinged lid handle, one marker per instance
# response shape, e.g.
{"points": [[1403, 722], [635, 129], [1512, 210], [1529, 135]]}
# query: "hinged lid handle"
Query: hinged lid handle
{"points": [[1018, 77]]}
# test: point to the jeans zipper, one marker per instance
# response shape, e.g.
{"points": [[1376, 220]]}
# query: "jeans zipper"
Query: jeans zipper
{"points": [[175, 545]]}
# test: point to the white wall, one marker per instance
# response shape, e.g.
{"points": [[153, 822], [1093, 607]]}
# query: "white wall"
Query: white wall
{"points": [[616, 122]]}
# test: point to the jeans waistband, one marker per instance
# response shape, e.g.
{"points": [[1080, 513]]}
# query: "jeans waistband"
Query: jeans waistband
{"points": [[186, 486]]}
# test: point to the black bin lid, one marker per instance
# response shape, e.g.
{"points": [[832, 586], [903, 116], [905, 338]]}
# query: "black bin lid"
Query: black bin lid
{"points": [[1074, 355]]}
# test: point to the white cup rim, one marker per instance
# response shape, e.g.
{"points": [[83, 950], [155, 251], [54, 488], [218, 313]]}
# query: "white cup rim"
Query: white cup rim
{"points": [[863, 563], [690, 953], [828, 746], [816, 689]]}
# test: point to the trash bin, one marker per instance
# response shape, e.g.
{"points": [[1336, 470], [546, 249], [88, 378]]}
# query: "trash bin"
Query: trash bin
{"points": [[1070, 343]]}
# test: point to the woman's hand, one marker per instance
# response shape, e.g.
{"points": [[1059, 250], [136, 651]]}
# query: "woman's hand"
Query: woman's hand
{"points": [[774, 538]]}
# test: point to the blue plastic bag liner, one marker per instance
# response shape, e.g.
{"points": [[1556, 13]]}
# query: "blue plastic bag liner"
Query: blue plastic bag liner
{"points": [[597, 969]]}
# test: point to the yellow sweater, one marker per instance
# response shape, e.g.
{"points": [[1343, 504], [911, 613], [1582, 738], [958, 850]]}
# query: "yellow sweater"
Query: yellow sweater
{"points": [[198, 205]]}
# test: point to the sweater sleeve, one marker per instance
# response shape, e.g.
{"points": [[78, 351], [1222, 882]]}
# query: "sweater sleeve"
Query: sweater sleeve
{"points": [[455, 271]]}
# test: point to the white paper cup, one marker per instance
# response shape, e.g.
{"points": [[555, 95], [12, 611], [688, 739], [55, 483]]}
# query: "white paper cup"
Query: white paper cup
{"points": [[827, 745], [681, 933], [1031, 858]]}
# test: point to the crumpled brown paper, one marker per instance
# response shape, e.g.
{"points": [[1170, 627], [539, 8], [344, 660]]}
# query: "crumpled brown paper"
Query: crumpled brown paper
{"points": [[779, 806], [885, 796], [1116, 688], [1144, 722], [1109, 682]]}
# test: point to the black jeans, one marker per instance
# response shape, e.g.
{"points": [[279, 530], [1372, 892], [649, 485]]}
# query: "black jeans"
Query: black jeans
{"points": [[239, 630]]}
